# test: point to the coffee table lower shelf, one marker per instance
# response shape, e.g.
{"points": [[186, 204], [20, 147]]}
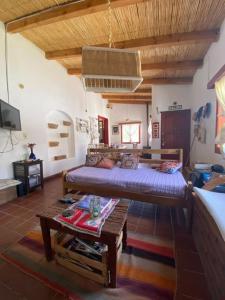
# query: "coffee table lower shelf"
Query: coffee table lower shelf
{"points": [[95, 270]]}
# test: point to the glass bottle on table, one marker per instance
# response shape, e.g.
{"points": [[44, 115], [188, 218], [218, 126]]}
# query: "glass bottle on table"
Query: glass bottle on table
{"points": [[95, 207]]}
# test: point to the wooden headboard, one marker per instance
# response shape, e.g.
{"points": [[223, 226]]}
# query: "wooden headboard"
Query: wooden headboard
{"points": [[140, 152]]}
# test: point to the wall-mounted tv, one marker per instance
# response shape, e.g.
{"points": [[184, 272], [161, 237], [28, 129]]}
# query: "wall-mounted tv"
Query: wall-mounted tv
{"points": [[9, 116]]}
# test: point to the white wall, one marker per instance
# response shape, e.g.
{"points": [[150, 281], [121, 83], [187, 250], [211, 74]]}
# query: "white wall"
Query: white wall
{"points": [[162, 97], [213, 61], [128, 112], [193, 97], [47, 87]]}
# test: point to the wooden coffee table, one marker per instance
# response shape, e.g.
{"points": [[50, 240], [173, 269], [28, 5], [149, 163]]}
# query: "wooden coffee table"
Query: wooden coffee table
{"points": [[111, 230]]}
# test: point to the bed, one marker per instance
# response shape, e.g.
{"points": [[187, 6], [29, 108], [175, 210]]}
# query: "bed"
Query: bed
{"points": [[209, 235], [144, 184]]}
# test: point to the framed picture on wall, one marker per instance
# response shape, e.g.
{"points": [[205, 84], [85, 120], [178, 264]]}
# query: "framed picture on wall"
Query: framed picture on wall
{"points": [[115, 129], [155, 130]]}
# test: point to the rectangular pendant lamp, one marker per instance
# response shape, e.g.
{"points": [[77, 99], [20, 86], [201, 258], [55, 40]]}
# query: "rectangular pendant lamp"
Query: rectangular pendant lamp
{"points": [[106, 70]]}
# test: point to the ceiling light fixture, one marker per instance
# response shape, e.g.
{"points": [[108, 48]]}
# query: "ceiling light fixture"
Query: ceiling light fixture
{"points": [[106, 70]]}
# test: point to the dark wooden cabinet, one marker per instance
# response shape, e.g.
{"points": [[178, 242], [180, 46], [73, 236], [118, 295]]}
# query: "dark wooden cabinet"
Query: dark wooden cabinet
{"points": [[30, 173]]}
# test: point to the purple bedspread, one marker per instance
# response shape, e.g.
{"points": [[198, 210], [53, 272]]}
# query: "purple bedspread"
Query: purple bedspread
{"points": [[144, 180]]}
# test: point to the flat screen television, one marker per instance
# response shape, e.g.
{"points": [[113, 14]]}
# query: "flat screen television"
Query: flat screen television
{"points": [[9, 117]]}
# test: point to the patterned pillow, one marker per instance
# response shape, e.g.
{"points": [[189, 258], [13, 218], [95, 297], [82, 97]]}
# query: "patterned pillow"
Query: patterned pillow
{"points": [[129, 162], [93, 159], [106, 163], [170, 167]]}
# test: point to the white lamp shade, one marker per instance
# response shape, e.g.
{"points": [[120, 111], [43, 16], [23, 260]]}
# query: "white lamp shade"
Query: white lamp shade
{"points": [[110, 70]]}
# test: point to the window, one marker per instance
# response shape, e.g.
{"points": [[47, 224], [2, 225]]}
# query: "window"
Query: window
{"points": [[220, 121], [130, 133]]}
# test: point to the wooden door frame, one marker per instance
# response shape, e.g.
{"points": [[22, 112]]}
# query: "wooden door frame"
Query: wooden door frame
{"points": [[106, 128]]}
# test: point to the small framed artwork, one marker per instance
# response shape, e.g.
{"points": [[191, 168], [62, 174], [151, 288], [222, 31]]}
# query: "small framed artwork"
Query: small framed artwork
{"points": [[155, 130], [115, 129]]}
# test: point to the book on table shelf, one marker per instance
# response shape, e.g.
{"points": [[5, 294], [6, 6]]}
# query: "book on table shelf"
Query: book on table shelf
{"points": [[91, 249]]}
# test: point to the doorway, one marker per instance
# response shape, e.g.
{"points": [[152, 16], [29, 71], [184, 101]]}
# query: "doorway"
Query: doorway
{"points": [[175, 132], [103, 130]]}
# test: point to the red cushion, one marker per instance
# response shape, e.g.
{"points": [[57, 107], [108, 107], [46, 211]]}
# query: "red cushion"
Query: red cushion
{"points": [[106, 163]]}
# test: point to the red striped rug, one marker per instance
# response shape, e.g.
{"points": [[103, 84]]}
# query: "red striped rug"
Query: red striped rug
{"points": [[145, 270]]}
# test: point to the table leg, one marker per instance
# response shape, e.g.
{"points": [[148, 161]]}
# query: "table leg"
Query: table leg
{"points": [[125, 235], [46, 238], [112, 262]]}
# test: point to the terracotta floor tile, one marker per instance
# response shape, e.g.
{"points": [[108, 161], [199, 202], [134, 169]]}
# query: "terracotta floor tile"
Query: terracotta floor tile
{"points": [[141, 219], [6, 293], [26, 226], [8, 238], [24, 285], [4, 219], [13, 222], [59, 297]]}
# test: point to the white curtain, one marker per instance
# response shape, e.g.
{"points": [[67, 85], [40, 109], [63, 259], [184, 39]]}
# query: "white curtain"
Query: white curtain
{"points": [[220, 91], [150, 132]]}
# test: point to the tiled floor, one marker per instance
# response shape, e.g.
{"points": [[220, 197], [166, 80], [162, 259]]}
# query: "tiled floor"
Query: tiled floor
{"points": [[18, 217]]}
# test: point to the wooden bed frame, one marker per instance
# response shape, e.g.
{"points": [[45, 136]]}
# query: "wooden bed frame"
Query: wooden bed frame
{"points": [[182, 202], [211, 248]]}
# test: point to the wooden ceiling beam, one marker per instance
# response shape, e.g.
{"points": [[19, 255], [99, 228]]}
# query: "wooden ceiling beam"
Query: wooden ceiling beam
{"points": [[63, 12], [74, 71], [128, 102], [178, 80], [176, 65], [127, 97], [143, 89], [169, 40]]}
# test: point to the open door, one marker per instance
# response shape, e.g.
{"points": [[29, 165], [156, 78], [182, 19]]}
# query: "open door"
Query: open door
{"points": [[103, 128]]}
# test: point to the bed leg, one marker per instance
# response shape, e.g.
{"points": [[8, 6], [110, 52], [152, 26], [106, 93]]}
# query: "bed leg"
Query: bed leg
{"points": [[65, 190], [190, 202]]}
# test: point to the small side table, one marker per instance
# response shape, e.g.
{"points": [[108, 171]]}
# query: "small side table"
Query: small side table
{"points": [[30, 173], [111, 230]]}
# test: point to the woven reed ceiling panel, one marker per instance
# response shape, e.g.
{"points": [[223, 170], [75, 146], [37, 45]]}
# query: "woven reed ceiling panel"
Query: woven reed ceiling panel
{"points": [[150, 18], [13, 9]]}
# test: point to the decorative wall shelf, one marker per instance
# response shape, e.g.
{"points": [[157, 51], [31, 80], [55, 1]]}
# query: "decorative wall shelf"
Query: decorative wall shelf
{"points": [[64, 135], [60, 136], [53, 125], [66, 123], [59, 157], [53, 144]]}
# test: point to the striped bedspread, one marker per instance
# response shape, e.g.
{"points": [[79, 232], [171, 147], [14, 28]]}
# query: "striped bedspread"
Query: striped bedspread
{"points": [[144, 180]]}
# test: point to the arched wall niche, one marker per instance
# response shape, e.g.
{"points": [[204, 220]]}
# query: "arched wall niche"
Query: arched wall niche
{"points": [[60, 132]]}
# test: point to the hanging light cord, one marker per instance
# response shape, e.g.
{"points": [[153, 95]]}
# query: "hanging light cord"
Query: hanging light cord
{"points": [[110, 24]]}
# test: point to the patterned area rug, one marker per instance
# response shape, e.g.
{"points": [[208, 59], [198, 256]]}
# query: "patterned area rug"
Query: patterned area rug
{"points": [[145, 270]]}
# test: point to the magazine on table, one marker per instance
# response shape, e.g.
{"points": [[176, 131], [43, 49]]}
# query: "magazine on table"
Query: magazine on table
{"points": [[82, 221], [84, 202]]}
